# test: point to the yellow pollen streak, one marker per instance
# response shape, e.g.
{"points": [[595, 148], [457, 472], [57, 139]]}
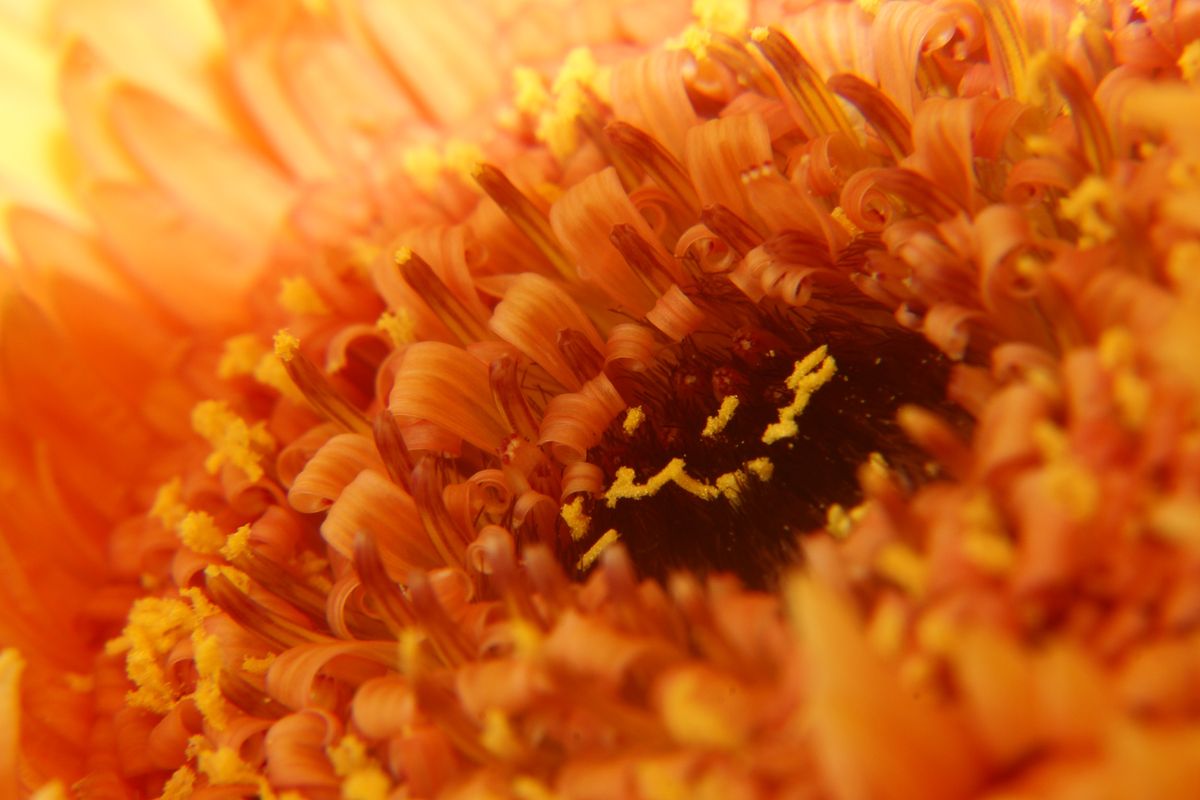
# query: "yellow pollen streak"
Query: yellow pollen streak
{"points": [[596, 550], [811, 373], [626, 488], [297, 295], [633, 418], [529, 91], [715, 424], [1189, 62], [577, 521], [1090, 205], [498, 736]]}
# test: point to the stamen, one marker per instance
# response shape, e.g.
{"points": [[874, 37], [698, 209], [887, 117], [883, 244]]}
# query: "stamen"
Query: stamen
{"points": [[804, 381], [644, 150], [509, 399], [450, 310], [596, 550], [1090, 127], [581, 355], [731, 229], [393, 452], [315, 387], [524, 215], [803, 84], [232, 439]]}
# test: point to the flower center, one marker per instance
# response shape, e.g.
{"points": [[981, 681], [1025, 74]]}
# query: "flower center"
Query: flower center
{"points": [[743, 439]]}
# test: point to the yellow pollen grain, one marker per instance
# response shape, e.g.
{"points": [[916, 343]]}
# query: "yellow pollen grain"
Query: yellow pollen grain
{"points": [[298, 296], [258, 666], [168, 507], [423, 164], [715, 424], [402, 256], [577, 521], [239, 356], [722, 16], [236, 544], [838, 522], [527, 638], [180, 785], [634, 417], [1090, 206], [202, 607], [233, 440], [498, 736], [596, 550], [760, 33], [198, 531], [529, 91], [1189, 61], [286, 344], [371, 783], [399, 325], [870, 6], [901, 565], [1116, 348], [810, 374], [224, 767], [528, 788]]}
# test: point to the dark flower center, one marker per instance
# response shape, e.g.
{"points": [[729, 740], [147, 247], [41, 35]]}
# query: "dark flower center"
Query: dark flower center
{"points": [[750, 484]]}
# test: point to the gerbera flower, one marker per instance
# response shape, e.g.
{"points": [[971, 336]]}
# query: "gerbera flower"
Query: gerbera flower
{"points": [[775, 399]]}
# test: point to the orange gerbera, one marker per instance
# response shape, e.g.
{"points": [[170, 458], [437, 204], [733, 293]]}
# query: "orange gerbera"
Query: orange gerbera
{"points": [[605, 400]]}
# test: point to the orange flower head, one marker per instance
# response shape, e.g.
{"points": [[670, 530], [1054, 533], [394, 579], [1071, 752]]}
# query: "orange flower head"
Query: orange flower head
{"points": [[537, 400]]}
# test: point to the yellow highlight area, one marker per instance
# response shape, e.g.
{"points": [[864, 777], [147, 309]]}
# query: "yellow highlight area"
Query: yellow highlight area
{"points": [[233, 440], [529, 91], [240, 356], [463, 159], [715, 424], [811, 373], [498, 736], [298, 296], [362, 777], [224, 767], [634, 417], [180, 785], [528, 788], [596, 550], [579, 74], [399, 325], [722, 16], [1189, 61], [1090, 206], [695, 39], [258, 666], [168, 505], [577, 521], [900, 564], [423, 164], [696, 715], [198, 531], [154, 626], [286, 344], [236, 544]]}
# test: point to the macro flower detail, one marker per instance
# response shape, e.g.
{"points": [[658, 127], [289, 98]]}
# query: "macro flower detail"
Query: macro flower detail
{"points": [[555, 400]]}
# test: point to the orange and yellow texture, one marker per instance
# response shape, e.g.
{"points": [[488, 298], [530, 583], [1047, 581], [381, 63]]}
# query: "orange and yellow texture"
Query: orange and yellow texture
{"points": [[600, 399]]}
